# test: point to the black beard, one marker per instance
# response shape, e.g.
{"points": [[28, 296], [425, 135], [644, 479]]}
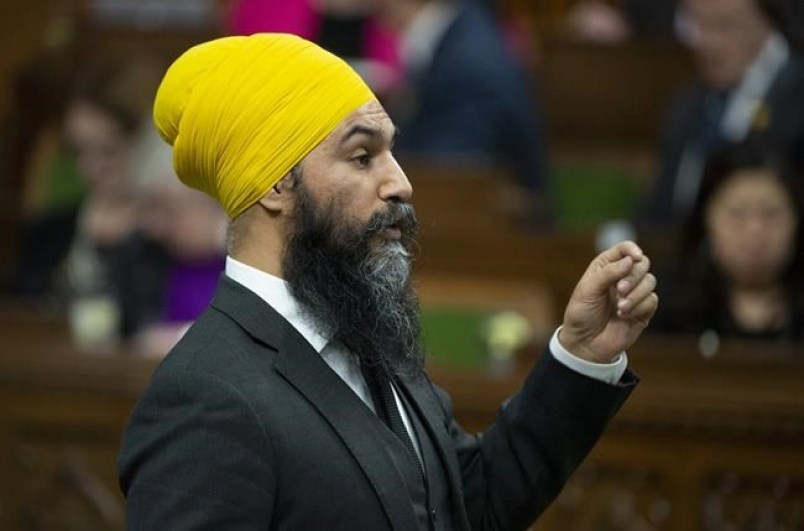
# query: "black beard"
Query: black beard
{"points": [[354, 284]]}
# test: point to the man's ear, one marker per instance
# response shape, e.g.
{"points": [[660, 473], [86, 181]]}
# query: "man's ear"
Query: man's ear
{"points": [[276, 200], [280, 197]]}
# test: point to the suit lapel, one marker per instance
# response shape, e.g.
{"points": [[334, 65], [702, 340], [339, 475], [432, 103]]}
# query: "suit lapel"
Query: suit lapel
{"points": [[349, 417], [354, 422], [304, 368], [249, 311], [422, 396]]}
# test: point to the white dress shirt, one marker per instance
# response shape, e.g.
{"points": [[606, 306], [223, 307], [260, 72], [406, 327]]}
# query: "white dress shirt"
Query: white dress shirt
{"points": [[275, 292]]}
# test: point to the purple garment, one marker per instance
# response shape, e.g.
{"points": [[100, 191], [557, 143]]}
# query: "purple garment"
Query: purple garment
{"points": [[190, 287]]}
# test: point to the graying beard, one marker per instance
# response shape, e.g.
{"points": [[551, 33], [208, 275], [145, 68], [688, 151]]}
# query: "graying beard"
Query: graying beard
{"points": [[388, 272]]}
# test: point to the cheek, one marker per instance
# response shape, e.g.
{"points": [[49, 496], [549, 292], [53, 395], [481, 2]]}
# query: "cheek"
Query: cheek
{"points": [[781, 242], [730, 249], [722, 236], [752, 259]]}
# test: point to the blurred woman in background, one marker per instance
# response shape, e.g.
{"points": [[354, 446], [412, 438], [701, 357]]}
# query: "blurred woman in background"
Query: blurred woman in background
{"points": [[740, 271], [105, 118]]}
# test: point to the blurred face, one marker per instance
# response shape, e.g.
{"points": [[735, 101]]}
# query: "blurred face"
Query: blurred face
{"points": [[726, 36], [100, 147], [751, 225], [188, 223]]}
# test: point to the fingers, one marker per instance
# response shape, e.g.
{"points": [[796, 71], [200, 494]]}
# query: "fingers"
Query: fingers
{"points": [[643, 312], [619, 251], [636, 274], [629, 301], [613, 265]]}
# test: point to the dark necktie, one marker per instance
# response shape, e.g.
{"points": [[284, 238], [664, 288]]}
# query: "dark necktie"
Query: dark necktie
{"points": [[711, 135], [379, 385]]}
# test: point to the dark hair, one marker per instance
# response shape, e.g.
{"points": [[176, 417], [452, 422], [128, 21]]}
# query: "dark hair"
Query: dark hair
{"points": [[702, 291]]}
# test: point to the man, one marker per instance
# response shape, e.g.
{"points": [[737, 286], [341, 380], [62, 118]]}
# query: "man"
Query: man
{"points": [[466, 97], [751, 86], [298, 400]]}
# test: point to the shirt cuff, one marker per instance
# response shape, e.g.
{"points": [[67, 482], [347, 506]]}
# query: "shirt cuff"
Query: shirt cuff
{"points": [[611, 373]]}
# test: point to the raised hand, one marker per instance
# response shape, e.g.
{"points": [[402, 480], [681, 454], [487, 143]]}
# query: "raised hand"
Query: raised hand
{"points": [[611, 304]]}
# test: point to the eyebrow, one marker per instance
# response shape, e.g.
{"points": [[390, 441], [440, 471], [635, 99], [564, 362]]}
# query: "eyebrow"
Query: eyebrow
{"points": [[368, 131]]}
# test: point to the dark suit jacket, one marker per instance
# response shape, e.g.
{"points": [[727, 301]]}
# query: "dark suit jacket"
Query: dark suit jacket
{"points": [[244, 426], [784, 132], [474, 102]]}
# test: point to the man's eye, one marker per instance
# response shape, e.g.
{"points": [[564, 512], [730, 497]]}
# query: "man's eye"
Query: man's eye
{"points": [[363, 160]]}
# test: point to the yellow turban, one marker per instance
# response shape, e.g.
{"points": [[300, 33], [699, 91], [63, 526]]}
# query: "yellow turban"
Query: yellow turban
{"points": [[241, 112]]}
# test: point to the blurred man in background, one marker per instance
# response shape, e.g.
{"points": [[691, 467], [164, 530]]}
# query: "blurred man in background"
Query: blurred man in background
{"points": [[466, 97], [751, 84]]}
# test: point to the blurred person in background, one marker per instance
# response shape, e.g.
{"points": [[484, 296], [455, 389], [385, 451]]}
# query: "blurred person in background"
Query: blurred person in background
{"points": [[104, 121], [189, 229], [607, 22], [600, 22], [343, 27], [751, 84], [741, 271], [44, 188], [465, 99]]}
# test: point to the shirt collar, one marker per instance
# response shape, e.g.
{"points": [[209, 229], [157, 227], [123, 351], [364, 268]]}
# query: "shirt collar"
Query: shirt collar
{"points": [[274, 291], [769, 61], [746, 99]]}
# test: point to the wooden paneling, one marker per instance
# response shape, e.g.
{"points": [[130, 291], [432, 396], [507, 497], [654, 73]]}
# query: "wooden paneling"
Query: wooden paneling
{"points": [[61, 419], [611, 94]]}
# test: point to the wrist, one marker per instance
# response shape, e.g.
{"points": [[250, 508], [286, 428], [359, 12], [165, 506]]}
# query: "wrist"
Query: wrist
{"points": [[581, 349]]}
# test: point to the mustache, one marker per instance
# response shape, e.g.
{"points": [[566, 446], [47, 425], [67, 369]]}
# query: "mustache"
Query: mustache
{"points": [[399, 215]]}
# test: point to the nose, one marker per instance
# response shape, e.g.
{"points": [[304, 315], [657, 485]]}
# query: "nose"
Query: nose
{"points": [[395, 185]]}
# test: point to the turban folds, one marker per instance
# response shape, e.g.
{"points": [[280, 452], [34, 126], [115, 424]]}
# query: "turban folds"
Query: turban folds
{"points": [[241, 112]]}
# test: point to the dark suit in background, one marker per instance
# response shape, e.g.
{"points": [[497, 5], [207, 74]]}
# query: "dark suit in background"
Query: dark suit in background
{"points": [[691, 127], [474, 102], [245, 426]]}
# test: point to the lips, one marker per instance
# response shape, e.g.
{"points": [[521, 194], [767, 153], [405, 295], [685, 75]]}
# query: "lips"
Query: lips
{"points": [[397, 223], [392, 233]]}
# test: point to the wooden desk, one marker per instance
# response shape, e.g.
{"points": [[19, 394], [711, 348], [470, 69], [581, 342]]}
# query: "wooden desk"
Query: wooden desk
{"points": [[700, 444], [700, 441]]}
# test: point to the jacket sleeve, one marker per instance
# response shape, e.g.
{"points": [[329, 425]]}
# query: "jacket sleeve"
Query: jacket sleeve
{"points": [[195, 457], [513, 471]]}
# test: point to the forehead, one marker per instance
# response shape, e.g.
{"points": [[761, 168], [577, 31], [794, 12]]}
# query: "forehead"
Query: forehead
{"points": [[371, 115], [755, 184]]}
